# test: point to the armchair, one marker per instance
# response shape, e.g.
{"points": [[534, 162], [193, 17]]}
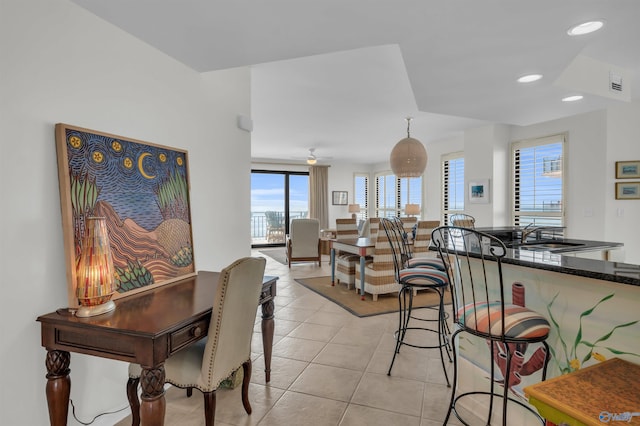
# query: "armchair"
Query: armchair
{"points": [[303, 243]]}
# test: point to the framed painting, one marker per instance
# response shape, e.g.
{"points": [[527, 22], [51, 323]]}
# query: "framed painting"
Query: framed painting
{"points": [[627, 190], [479, 191], [142, 189], [339, 198], [627, 169]]}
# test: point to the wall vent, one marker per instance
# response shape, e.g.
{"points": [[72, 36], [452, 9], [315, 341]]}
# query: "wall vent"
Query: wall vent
{"points": [[615, 82]]}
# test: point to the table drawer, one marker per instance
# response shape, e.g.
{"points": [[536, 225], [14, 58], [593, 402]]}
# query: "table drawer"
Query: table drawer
{"points": [[188, 334]]}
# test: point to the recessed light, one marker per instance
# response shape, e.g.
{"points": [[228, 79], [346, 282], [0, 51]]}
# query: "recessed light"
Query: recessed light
{"points": [[585, 28], [572, 98], [529, 78]]}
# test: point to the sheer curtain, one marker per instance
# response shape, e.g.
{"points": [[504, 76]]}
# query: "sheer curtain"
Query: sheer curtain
{"points": [[319, 194]]}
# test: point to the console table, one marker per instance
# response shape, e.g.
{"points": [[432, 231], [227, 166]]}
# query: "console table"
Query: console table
{"points": [[146, 329]]}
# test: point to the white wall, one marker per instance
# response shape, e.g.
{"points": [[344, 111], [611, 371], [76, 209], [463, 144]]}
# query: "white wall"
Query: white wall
{"points": [[61, 64], [623, 144]]}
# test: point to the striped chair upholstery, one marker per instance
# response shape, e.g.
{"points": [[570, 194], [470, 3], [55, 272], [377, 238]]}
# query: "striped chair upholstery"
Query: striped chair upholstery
{"points": [[380, 277], [423, 237], [346, 263], [422, 257], [519, 322]]}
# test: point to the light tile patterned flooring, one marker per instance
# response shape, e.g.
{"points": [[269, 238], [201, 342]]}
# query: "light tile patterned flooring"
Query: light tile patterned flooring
{"points": [[328, 368]]}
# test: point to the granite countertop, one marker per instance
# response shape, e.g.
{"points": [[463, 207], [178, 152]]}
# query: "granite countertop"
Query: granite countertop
{"points": [[623, 273], [546, 253]]}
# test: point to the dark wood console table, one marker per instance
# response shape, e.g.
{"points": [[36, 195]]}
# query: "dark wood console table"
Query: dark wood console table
{"points": [[146, 329]]}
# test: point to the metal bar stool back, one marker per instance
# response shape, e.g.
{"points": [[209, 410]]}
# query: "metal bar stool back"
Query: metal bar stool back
{"points": [[429, 277], [474, 266]]}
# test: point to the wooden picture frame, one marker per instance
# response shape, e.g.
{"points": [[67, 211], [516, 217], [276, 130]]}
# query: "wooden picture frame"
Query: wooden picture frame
{"points": [[143, 191], [627, 190], [339, 198], [479, 191], [627, 169]]}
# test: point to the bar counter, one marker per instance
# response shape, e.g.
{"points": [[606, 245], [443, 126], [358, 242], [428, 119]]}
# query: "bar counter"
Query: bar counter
{"points": [[592, 306]]}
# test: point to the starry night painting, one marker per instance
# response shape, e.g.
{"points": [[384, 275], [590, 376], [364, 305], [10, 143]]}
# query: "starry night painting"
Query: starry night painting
{"points": [[142, 190]]}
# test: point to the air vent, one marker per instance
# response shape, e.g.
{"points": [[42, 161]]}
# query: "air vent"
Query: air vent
{"points": [[615, 82]]}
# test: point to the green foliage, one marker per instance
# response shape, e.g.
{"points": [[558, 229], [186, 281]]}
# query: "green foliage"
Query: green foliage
{"points": [[571, 360], [172, 196], [84, 194], [135, 275], [184, 257]]}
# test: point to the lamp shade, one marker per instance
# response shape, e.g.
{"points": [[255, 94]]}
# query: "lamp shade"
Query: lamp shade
{"points": [[354, 208], [412, 209], [408, 158], [95, 283]]}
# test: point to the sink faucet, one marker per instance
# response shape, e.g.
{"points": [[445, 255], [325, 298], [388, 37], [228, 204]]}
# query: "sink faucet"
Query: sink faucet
{"points": [[526, 232]]}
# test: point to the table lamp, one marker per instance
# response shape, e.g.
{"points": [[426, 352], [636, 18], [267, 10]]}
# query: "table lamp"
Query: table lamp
{"points": [[95, 283], [353, 209], [412, 209]]}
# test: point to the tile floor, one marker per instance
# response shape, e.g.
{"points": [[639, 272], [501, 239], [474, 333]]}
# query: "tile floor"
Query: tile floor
{"points": [[328, 368]]}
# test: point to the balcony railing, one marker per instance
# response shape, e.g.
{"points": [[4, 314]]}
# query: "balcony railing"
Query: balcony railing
{"points": [[271, 230]]}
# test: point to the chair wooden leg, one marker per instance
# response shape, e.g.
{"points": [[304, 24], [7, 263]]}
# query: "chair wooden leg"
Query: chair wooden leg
{"points": [[189, 392], [209, 407], [134, 402], [246, 369]]}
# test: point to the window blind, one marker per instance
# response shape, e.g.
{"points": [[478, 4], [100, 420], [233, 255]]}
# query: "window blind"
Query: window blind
{"points": [[452, 185], [538, 182]]}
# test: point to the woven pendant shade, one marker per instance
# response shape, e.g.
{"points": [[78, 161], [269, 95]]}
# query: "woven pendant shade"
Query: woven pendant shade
{"points": [[409, 157]]}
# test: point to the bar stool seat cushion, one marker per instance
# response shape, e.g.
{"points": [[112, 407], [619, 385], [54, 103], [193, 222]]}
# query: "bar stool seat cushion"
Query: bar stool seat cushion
{"points": [[520, 322], [423, 277], [425, 262]]}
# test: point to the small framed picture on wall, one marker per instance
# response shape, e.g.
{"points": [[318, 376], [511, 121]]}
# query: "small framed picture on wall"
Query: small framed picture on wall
{"points": [[339, 198], [627, 190], [479, 191], [627, 169]]}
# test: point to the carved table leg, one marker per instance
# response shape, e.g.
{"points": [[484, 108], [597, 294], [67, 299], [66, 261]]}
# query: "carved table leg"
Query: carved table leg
{"points": [[58, 386], [267, 336], [153, 404]]}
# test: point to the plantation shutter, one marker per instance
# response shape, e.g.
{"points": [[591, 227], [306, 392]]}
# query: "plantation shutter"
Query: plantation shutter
{"points": [[538, 183]]}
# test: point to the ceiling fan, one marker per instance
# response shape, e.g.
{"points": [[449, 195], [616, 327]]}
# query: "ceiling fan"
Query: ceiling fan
{"points": [[312, 158]]}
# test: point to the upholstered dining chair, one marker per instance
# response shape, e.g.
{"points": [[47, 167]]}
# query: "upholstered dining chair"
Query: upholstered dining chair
{"points": [[462, 220], [303, 242], [205, 364], [346, 263], [480, 308]]}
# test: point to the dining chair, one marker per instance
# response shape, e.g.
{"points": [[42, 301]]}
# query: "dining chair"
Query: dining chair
{"points": [[480, 308], [205, 364], [346, 263], [462, 220]]}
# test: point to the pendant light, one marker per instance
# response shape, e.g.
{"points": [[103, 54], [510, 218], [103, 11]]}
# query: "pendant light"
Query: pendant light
{"points": [[409, 157]]}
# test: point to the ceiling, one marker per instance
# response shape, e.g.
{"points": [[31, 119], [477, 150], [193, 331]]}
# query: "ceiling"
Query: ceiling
{"points": [[341, 75]]}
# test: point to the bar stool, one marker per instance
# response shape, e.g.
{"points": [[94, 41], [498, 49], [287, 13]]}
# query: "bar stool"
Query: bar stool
{"points": [[474, 267], [429, 276]]}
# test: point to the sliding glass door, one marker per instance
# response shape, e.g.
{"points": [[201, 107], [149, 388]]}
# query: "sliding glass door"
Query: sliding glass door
{"points": [[276, 198]]}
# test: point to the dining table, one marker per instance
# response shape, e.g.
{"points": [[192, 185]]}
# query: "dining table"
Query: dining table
{"points": [[360, 246]]}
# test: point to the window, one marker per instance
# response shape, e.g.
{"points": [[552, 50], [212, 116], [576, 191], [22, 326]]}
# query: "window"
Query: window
{"points": [[538, 184], [393, 193], [361, 194], [276, 198], [452, 185]]}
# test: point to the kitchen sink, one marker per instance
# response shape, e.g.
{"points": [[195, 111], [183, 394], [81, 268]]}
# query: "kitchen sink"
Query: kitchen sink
{"points": [[551, 246]]}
